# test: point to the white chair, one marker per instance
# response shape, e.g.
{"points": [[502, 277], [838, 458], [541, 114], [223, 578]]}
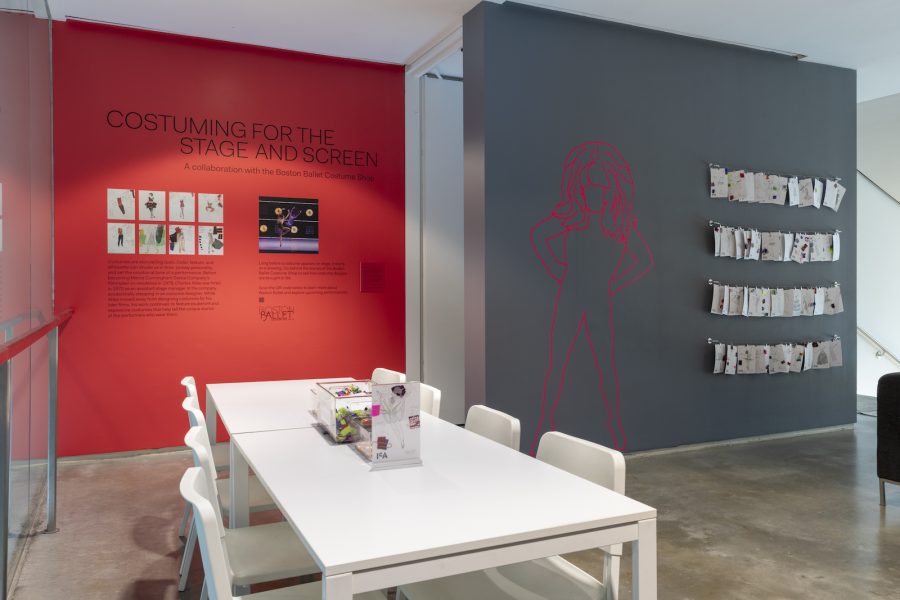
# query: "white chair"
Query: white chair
{"points": [[220, 451], [494, 425], [258, 498], [259, 553], [190, 386], [430, 400], [218, 552], [380, 375], [551, 578]]}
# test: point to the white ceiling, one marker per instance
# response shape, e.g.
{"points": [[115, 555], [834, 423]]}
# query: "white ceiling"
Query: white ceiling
{"points": [[862, 34]]}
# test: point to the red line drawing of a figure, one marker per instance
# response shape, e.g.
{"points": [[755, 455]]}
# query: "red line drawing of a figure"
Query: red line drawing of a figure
{"points": [[590, 235]]}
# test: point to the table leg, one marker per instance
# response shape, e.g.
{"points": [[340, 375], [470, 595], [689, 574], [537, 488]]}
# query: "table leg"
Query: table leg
{"points": [[211, 416], [239, 515], [338, 587], [643, 559]]}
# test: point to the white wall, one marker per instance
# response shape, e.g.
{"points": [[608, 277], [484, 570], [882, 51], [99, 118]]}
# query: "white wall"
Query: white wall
{"points": [[443, 324], [878, 280]]}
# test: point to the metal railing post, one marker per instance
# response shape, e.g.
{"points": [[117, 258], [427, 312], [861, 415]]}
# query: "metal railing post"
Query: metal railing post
{"points": [[52, 401], [5, 406]]}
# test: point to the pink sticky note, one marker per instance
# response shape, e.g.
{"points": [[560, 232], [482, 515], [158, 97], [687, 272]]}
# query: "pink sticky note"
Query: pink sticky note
{"points": [[376, 410]]}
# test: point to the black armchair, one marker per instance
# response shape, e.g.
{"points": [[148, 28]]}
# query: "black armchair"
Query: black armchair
{"points": [[888, 431]]}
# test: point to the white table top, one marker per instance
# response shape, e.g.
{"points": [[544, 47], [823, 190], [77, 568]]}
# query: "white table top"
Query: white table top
{"points": [[470, 493], [265, 405]]}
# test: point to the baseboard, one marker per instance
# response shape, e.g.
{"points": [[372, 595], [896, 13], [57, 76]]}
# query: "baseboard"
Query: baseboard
{"points": [[127, 454], [739, 441]]}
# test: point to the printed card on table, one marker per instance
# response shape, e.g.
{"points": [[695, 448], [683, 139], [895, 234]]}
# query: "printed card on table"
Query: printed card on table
{"points": [[395, 425]]}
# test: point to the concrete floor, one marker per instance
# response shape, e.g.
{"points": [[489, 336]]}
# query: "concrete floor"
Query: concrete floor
{"points": [[787, 518]]}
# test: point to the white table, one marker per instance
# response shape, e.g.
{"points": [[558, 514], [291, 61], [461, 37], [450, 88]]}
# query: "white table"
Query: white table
{"points": [[256, 406], [473, 504]]}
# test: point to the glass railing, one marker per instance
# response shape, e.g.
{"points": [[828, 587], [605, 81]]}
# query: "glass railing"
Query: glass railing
{"points": [[27, 469], [27, 325]]}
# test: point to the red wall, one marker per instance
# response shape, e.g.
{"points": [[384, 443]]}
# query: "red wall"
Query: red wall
{"points": [[119, 375]]}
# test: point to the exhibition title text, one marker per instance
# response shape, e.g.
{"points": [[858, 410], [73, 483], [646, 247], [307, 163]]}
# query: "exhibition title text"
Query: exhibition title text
{"points": [[209, 137]]}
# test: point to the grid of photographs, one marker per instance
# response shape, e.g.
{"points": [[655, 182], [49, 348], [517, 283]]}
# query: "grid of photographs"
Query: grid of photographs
{"points": [[159, 222]]}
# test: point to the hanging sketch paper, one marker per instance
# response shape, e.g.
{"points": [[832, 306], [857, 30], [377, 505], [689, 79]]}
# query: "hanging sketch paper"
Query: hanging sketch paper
{"points": [[793, 191], [731, 360], [718, 182], [834, 302], [719, 361], [834, 194], [718, 300], [777, 189], [818, 191], [736, 186], [760, 185], [836, 357], [772, 246]]}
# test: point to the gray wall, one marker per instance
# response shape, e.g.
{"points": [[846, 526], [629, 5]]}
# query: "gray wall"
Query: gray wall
{"points": [[539, 83]]}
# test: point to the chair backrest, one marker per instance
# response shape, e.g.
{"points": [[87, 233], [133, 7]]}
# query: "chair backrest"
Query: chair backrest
{"points": [[494, 425], [190, 386], [195, 415], [430, 400], [196, 440], [380, 375], [595, 463], [195, 489], [604, 466]]}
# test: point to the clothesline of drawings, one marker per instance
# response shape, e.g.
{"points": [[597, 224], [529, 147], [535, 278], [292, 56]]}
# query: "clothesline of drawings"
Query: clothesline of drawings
{"points": [[834, 337], [750, 301], [739, 185], [777, 246], [716, 223], [733, 167], [796, 287], [770, 359]]}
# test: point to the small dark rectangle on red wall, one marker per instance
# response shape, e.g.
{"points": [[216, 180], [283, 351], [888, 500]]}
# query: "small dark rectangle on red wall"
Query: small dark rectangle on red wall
{"points": [[371, 277]]}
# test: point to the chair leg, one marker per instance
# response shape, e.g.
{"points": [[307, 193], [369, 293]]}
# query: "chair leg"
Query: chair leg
{"points": [[186, 559], [190, 532], [184, 520], [881, 490]]}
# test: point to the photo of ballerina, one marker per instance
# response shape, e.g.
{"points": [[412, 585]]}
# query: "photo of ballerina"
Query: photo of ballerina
{"points": [[288, 225]]}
